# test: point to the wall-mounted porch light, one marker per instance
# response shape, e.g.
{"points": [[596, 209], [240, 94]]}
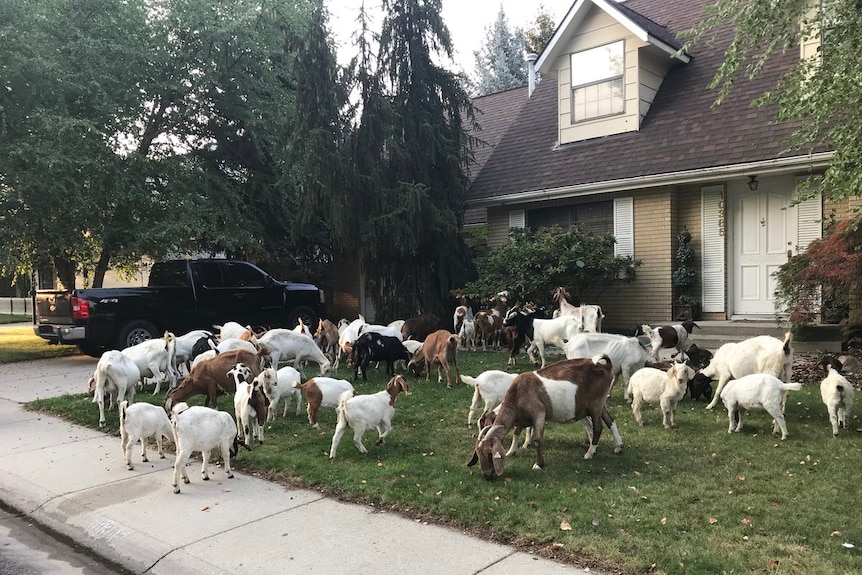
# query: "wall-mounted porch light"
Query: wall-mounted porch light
{"points": [[753, 183]]}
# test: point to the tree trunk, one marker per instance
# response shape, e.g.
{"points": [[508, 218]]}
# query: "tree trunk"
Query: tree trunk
{"points": [[101, 268], [65, 271]]}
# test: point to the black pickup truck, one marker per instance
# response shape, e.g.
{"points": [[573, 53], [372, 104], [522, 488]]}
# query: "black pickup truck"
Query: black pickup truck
{"points": [[182, 295]]}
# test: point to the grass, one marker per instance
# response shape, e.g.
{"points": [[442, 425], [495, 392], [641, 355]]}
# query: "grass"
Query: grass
{"points": [[692, 500], [19, 343], [10, 318]]}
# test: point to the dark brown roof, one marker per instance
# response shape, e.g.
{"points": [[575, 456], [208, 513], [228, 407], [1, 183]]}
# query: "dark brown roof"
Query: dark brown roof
{"points": [[680, 132], [494, 114]]}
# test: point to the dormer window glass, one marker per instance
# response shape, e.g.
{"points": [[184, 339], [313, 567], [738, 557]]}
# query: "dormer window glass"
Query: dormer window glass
{"points": [[598, 86]]}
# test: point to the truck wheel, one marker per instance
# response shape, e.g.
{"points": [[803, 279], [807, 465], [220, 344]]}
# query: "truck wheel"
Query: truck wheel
{"points": [[309, 318], [135, 332], [91, 349]]}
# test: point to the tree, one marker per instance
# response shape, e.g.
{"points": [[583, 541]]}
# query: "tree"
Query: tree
{"points": [[500, 61], [148, 127], [407, 156], [819, 94], [533, 264], [539, 34]]}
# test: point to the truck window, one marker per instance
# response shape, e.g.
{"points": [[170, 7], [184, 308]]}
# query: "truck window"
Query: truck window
{"points": [[208, 274], [169, 274], [243, 275]]}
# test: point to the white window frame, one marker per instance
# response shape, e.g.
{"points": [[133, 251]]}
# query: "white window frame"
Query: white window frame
{"points": [[595, 81]]}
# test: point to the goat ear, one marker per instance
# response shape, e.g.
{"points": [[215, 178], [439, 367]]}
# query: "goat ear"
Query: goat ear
{"points": [[473, 461]]}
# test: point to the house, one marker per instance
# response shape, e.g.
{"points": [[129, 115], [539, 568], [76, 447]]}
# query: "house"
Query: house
{"points": [[621, 135]]}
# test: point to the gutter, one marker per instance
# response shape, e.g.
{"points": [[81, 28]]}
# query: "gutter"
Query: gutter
{"points": [[702, 175]]}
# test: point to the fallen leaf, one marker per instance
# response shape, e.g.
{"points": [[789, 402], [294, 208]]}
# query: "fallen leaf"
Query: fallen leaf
{"points": [[205, 507], [597, 521], [742, 477], [713, 520], [834, 533], [225, 490], [573, 490], [746, 521], [772, 565], [565, 526], [557, 545], [664, 520]]}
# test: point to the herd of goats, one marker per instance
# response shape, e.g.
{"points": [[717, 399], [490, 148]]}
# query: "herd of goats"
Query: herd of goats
{"points": [[753, 374]]}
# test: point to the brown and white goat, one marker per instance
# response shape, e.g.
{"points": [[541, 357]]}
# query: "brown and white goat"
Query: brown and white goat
{"points": [[364, 412], [670, 337], [322, 392], [210, 377], [567, 391], [489, 323], [326, 338], [440, 347]]}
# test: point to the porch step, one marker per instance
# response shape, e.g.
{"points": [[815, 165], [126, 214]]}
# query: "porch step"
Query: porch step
{"points": [[819, 338]]}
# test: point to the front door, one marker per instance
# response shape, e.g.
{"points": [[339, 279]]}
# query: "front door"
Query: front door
{"points": [[763, 230]]}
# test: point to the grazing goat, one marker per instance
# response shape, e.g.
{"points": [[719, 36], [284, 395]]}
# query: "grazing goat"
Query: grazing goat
{"points": [[283, 386], [155, 359], [542, 332], [761, 354], [326, 338], [591, 316], [250, 403], [837, 394], [420, 327], [235, 343], [138, 422], [569, 390], [117, 376], [756, 391], [287, 344], [373, 346], [322, 392], [490, 386], [211, 377], [650, 385], [209, 354], [363, 412], [669, 337], [201, 429], [440, 347], [626, 353]]}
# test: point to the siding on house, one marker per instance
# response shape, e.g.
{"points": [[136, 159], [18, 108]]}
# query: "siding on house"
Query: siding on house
{"points": [[599, 28]]}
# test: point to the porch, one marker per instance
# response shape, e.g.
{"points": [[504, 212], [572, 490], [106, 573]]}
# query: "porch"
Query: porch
{"points": [[817, 338]]}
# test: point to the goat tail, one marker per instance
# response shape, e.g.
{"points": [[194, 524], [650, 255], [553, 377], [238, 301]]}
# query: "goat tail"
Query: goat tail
{"points": [[123, 405], [787, 337], [471, 381], [602, 359], [791, 386]]}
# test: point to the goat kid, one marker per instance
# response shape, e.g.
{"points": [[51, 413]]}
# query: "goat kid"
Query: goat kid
{"points": [[138, 422], [666, 388], [203, 429], [363, 412], [837, 394], [757, 391]]}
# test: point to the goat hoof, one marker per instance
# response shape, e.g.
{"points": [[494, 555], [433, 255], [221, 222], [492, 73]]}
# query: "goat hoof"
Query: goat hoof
{"points": [[131, 467], [101, 424], [536, 467], [161, 455], [186, 480], [618, 449], [230, 475], [145, 460], [176, 489]]}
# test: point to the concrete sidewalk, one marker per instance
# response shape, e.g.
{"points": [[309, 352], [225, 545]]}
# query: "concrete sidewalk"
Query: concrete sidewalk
{"points": [[72, 479]]}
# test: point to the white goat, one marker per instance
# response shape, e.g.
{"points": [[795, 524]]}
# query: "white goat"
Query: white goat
{"points": [[837, 394], [757, 391], [235, 343], [590, 315], [489, 386], [203, 357], [155, 359], [363, 412], [347, 335], [232, 329], [183, 346], [286, 344], [650, 385], [467, 334], [244, 413], [761, 354], [199, 428], [626, 353], [282, 386], [117, 375], [138, 422]]}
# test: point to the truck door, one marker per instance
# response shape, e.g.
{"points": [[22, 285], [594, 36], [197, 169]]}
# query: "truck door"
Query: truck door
{"points": [[260, 302]]}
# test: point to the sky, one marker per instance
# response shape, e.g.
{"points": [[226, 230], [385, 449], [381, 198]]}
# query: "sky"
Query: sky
{"points": [[466, 20]]}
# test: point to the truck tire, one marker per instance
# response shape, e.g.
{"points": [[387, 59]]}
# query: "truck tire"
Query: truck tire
{"points": [[91, 349], [309, 318], [135, 332]]}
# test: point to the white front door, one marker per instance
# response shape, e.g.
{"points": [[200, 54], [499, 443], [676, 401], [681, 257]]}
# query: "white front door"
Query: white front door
{"points": [[763, 230]]}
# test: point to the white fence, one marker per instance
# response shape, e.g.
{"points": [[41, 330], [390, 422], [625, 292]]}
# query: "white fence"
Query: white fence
{"points": [[16, 305]]}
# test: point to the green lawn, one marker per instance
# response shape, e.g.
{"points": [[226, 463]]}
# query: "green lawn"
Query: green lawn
{"points": [[691, 500], [19, 343]]}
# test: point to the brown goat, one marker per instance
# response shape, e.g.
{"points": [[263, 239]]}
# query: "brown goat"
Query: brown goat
{"points": [[326, 338], [489, 323], [566, 391], [420, 327], [440, 347], [211, 377]]}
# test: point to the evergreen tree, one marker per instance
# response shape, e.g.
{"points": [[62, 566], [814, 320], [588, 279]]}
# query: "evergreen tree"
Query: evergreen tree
{"points": [[408, 155], [500, 63]]}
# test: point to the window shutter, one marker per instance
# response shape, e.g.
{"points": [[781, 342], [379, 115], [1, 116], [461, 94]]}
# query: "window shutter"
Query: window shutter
{"points": [[809, 224], [712, 256], [624, 227], [517, 219]]}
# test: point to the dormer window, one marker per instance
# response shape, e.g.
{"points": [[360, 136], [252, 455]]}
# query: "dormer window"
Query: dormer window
{"points": [[598, 86]]}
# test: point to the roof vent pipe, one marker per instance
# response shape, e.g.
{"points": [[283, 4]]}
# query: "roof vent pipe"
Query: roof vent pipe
{"points": [[531, 73]]}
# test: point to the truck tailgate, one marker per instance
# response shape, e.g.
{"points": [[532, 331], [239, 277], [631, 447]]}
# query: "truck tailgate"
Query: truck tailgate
{"points": [[53, 307]]}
